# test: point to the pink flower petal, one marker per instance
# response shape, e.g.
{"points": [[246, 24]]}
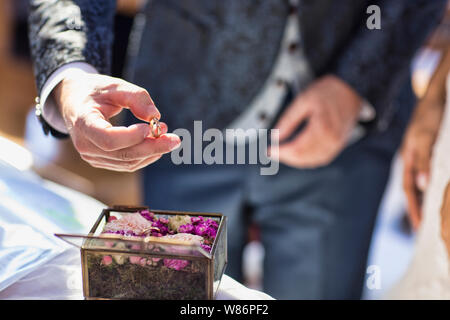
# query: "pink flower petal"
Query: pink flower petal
{"points": [[135, 259], [107, 260]]}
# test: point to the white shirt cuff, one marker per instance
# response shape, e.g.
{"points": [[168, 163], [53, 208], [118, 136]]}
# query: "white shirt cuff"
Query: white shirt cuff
{"points": [[50, 111]]}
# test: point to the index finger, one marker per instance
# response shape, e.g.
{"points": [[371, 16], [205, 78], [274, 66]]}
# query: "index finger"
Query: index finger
{"points": [[135, 98]]}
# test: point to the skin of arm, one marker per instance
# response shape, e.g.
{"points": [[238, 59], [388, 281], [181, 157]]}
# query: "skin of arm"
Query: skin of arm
{"points": [[420, 137]]}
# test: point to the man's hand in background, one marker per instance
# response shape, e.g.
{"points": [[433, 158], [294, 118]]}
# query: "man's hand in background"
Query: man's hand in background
{"points": [[331, 108], [87, 101], [416, 154]]}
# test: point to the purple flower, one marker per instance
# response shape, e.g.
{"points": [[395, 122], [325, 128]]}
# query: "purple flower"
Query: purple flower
{"points": [[211, 223], [107, 260], [163, 220], [196, 220], [206, 247], [150, 216], [175, 263], [122, 232], [200, 229], [163, 229], [211, 232], [186, 228]]}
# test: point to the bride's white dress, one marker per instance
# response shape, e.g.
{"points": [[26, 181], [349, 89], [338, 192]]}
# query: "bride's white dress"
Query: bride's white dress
{"points": [[428, 276]]}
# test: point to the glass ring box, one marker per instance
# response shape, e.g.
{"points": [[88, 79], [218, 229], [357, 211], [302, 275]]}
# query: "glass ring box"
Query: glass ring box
{"points": [[138, 253]]}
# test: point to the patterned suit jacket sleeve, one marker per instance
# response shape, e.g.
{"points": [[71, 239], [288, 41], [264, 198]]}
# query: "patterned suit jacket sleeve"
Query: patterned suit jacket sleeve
{"points": [[63, 31], [377, 62]]}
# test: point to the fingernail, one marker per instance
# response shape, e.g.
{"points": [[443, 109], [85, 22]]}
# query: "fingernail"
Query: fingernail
{"points": [[158, 114], [422, 181]]}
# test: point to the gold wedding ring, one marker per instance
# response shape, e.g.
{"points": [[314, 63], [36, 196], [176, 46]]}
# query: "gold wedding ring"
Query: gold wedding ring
{"points": [[155, 127]]}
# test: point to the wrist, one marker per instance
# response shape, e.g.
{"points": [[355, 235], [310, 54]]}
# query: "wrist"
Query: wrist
{"points": [[429, 107], [434, 101], [61, 92], [351, 99], [427, 116], [50, 103], [57, 95]]}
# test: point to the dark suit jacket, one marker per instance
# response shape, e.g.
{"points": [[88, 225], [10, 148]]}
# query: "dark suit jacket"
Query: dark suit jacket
{"points": [[206, 59]]}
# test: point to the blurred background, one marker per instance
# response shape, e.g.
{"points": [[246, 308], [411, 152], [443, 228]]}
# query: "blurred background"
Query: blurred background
{"points": [[23, 144]]}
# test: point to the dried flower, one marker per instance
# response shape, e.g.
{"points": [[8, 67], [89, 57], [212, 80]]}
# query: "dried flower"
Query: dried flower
{"points": [[186, 228], [206, 247], [211, 223], [200, 229], [192, 230], [153, 261], [130, 224], [106, 260], [178, 220], [175, 263], [211, 232], [119, 259], [196, 220], [150, 216], [135, 259], [163, 229], [109, 244], [188, 238], [164, 220], [112, 218], [143, 262]]}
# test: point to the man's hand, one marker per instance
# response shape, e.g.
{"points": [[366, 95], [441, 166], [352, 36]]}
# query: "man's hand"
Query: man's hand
{"points": [[331, 108], [416, 154], [86, 102]]}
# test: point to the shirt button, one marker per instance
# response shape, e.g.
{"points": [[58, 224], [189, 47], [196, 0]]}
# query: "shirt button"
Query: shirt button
{"points": [[262, 116], [292, 46], [292, 9], [280, 82]]}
